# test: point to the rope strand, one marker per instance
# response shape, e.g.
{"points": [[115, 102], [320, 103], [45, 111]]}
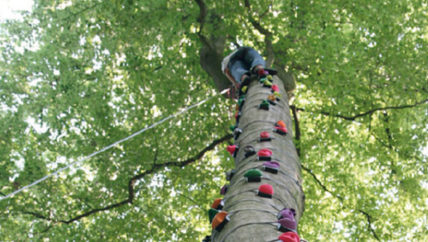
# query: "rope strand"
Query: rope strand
{"points": [[110, 146]]}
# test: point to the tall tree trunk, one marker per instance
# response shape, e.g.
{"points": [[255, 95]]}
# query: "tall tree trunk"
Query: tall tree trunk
{"points": [[252, 217]]}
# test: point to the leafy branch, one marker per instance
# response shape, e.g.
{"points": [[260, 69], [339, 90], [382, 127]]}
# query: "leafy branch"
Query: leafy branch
{"points": [[369, 225], [324, 187], [369, 112], [131, 183], [368, 216]]}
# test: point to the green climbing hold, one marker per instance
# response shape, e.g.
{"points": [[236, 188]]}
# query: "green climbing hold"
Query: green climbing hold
{"points": [[267, 83], [211, 213], [253, 175], [263, 79], [264, 105], [241, 100], [232, 127]]}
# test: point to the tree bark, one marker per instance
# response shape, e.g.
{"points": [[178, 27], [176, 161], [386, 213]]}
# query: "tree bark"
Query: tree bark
{"points": [[252, 217], [211, 55]]}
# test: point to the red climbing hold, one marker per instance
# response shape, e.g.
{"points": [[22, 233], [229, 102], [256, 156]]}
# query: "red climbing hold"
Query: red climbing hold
{"points": [[281, 130], [231, 149], [289, 237], [265, 190], [265, 136], [264, 154]]}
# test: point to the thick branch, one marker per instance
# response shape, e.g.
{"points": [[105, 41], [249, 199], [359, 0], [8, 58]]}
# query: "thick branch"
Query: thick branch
{"points": [[131, 189], [296, 128], [265, 32], [211, 52], [286, 77], [201, 20]]}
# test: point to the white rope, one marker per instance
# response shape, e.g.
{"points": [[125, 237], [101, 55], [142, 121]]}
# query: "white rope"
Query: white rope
{"points": [[110, 146]]}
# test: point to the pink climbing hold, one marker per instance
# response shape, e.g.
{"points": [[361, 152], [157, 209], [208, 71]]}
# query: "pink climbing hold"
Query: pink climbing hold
{"points": [[275, 88]]}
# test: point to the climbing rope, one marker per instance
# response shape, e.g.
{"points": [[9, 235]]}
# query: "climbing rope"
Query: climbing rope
{"points": [[111, 146]]}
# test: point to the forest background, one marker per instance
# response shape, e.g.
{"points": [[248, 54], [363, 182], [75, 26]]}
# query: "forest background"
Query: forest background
{"points": [[76, 76]]}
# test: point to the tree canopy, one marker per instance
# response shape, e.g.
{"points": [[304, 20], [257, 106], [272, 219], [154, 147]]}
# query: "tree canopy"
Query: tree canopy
{"points": [[76, 76]]}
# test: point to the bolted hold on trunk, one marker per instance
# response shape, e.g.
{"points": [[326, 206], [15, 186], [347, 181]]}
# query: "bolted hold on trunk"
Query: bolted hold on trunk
{"points": [[267, 162]]}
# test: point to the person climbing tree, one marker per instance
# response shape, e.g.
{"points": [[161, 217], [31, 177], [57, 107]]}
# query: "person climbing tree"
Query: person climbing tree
{"points": [[241, 63]]}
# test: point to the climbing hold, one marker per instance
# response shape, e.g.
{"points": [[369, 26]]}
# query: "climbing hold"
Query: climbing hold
{"points": [[207, 239], [264, 105], [275, 88], [241, 100], [249, 151], [237, 132], [277, 96], [265, 136], [244, 89], [287, 223], [223, 189], [217, 204], [220, 220], [271, 71], [271, 166], [232, 127], [280, 123], [237, 116], [289, 237], [280, 130], [262, 73], [211, 213], [229, 174], [253, 175], [272, 99], [233, 150], [267, 83], [265, 154], [287, 212], [262, 80], [269, 77], [265, 190]]}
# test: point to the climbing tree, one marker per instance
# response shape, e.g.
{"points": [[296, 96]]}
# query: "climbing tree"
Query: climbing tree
{"points": [[76, 76], [264, 199]]}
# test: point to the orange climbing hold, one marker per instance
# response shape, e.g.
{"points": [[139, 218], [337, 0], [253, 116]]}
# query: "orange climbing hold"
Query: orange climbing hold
{"points": [[220, 220], [281, 124], [217, 204]]}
